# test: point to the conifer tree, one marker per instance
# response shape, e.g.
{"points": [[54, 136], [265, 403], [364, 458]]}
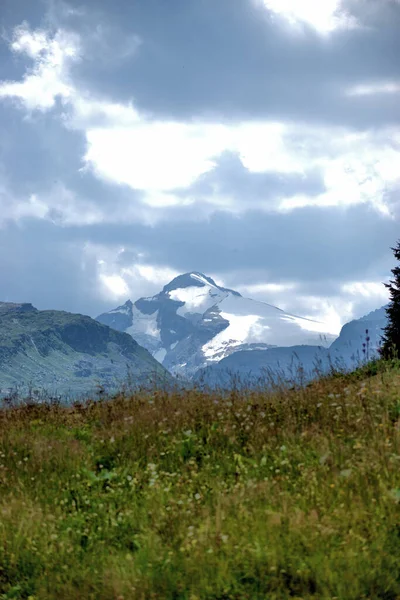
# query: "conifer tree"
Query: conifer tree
{"points": [[391, 339]]}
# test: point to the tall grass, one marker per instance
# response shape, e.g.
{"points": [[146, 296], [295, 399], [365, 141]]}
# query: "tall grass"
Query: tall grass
{"points": [[194, 495]]}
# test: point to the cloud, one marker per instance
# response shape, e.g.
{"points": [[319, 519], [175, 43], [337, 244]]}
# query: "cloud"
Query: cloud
{"points": [[390, 87], [115, 285], [48, 79], [313, 245], [67, 271], [283, 76], [366, 289], [154, 156], [325, 17], [312, 262], [147, 144], [163, 156], [127, 148], [51, 274], [232, 187]]}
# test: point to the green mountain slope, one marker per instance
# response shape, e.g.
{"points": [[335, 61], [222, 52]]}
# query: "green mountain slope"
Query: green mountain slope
{"points": [[68, 353]]}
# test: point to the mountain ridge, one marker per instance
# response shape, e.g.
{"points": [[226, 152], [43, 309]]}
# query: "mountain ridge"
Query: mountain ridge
{"points": [[67, 352], [193, 322]]}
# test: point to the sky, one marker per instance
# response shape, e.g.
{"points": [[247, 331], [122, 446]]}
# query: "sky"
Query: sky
{"points": [[255, 141]]}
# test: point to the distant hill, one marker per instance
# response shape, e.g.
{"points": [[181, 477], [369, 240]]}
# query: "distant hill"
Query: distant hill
{"points": [[68, 353]]}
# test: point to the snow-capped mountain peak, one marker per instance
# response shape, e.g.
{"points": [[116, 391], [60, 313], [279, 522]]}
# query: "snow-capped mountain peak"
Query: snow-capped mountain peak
{"points": [[194, 279], [189, 279], [193, 322]]}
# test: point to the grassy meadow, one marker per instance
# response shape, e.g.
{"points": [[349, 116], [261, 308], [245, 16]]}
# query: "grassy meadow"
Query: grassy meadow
{"points": [[191, 496]]}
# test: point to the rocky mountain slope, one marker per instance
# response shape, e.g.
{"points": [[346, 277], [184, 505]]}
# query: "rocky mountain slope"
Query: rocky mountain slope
{"points": [[193, 322], [68, 353]]}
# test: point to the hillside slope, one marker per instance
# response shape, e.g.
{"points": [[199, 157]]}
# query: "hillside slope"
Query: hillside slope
{"points": [[67, 353]]}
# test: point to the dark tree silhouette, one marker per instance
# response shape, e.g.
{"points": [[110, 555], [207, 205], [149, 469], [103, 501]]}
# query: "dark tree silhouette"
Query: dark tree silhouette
{"points": [[391, 338]]}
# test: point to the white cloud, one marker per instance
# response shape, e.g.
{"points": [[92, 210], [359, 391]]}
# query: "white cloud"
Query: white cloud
{"points": [[58, 204], [324, 16], [367, 289], [163, 156], [333, 312], [14, 209], [154, 156], [370, 89], [119, 282], [357, 168], [32, 43], [159, 157], [355, 300], [126, 148], [48, 79], [114, 285], [152, 274]]}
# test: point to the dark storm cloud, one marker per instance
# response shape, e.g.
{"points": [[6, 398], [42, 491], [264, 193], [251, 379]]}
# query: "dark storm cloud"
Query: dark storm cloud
{"points": [[38, 150], [228, 60], [40, 265], [318, 248], [309, 244]]}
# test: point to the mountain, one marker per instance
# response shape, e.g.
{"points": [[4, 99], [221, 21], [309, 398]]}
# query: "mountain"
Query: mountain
{"points": [[349, 344], [68, 353], [193, 322], [299, 362]]}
